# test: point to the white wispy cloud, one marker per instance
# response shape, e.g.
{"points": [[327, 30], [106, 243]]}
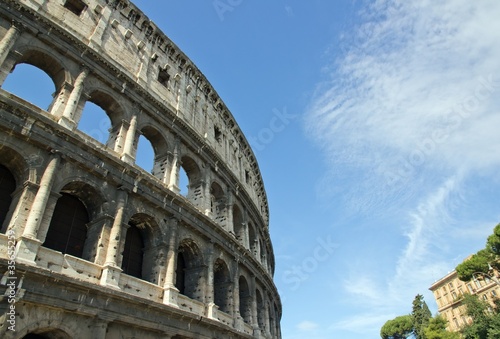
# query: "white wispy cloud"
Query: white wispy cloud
{"points": [[410, 111], [416, 91], [307, 326]]}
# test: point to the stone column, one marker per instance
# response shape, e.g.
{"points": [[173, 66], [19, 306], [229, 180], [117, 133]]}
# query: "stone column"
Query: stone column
{"points": [[100, 328], [29, 243], [246, 227], [8, 42], [207, 197], [255, 317], [173, 183], [67, 118], [128, 148], [209, 290], [238, 321], [170, 292], [111, 272], [229, 212], [267, 322], [19, 211]]}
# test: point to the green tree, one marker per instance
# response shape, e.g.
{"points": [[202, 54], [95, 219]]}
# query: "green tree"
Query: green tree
{"points": [[483, 260], [436, 329], [477, 263], [398, 328], [420, 316], [481, 318]]}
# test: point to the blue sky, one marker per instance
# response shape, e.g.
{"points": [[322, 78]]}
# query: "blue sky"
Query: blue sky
{"points": [[375, 125]]}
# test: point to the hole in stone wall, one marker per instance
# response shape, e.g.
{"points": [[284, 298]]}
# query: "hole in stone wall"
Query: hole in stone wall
{"points": [[75, 6], [163, 77], [31, 84]]}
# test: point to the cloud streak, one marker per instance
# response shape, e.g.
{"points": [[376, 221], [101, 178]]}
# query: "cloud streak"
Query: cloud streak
{"points": [[410, 111], [417, 91]]}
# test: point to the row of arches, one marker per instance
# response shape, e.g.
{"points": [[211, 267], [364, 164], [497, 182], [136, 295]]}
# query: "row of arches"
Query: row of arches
{"points": [[76, 88], [180, 172], [74, 225]]}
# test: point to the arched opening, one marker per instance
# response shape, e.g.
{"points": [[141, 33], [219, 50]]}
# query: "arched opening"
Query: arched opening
{"points": [[245, 300], [68, 227], [261, 317], [180, 273], [183, 182], [252, 240], [238, 225], [145, 154], [47, 334], [7, 187], [222, 284], [95, 122], [133, 252], [153, 156], [189, 181], [101, 118], [218, 204], [140, 251], [189, 270], [262, 252], [272, 324], [20, 83]]}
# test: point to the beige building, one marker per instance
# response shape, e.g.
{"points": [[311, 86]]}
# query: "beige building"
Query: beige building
{"points": [[447, 292], [91, 244]]}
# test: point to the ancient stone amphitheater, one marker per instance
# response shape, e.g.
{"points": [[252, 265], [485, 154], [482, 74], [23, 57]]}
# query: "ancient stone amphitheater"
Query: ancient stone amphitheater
{"points": [[94, 246]]}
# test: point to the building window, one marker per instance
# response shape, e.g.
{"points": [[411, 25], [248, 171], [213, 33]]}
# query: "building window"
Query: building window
{"points": [[471, 290], [450, 285], [75, 6], [477, 282], [494, 293]]}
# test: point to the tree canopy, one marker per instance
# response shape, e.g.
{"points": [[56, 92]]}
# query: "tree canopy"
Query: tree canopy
{"points": [[437, 329], [398, 328], [483, 260]]}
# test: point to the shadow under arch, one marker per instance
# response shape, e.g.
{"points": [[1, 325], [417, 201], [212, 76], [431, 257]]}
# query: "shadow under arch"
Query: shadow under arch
{"points": [[44, 329], [13, 172], [246, 298], [71, 229], [140, 248], [189, 273], [222, 286]]}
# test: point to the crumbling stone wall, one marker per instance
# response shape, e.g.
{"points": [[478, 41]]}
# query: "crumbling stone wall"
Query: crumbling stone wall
{"points": [[216, 236]]}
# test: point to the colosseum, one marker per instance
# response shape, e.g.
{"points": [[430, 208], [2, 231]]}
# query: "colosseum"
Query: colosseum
{"points": [[92, 244]]}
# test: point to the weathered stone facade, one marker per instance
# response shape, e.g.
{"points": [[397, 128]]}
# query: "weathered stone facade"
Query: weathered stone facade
{"points": [[104, 249]]}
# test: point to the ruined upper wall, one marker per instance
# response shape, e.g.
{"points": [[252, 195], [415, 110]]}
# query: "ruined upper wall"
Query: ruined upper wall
{"points": [[152, 68]]}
